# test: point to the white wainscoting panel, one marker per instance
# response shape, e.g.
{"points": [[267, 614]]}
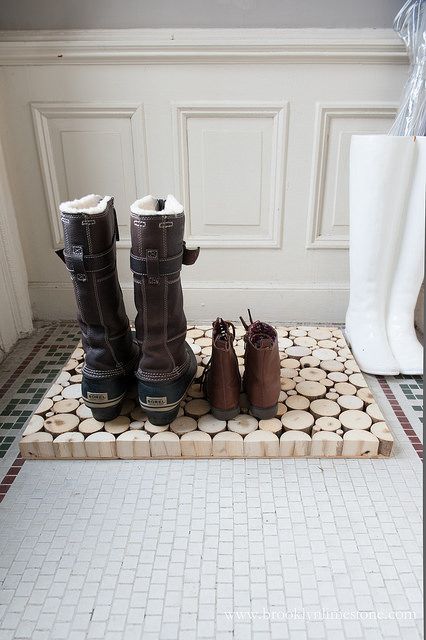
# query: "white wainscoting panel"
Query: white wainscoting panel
{"points": [[231, 165], [328, 221]]}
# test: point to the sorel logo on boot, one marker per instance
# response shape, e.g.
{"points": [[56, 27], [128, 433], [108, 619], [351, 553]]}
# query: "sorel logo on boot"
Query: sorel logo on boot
{"points": [[97, 396], [156, 402]]}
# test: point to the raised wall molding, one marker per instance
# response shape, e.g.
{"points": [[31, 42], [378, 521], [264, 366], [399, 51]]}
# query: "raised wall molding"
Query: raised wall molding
{"points": [[230, 159], [116, 156], [135, 46], [328, 215]]}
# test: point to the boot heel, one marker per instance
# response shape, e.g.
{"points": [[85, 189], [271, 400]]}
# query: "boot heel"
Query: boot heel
{"points": [[224, 414], [264, 413], [105, 397]]}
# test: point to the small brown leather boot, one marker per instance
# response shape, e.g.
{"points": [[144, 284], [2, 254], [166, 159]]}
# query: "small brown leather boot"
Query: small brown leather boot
{"points": [[90, 233], [261, 380], [223, 380], [167, 364]]}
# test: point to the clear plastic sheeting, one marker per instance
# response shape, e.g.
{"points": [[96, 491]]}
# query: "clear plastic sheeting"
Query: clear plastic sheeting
{"points": [[410, 25]]}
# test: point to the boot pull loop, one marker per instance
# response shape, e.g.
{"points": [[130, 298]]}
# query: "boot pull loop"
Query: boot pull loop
{"points": [[60, 254], [189, 256], [116, 231]]}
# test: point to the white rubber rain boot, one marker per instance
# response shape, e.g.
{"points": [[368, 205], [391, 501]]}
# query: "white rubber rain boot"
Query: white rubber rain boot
{"points": [[409, 271], [380, 168]]}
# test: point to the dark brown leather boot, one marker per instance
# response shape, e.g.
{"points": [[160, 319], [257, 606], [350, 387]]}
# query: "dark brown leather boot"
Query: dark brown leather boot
{"points": [[90, 233], [167, 365], [262, 369], [222, 378]]}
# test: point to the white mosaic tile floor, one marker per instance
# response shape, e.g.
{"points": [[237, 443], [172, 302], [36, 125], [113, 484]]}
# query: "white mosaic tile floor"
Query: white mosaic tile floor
{"points": [[220, 549]]}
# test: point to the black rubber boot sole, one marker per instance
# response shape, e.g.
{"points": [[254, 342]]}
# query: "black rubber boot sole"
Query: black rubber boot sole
{"points": [[264, 413], [224, 414], [161, 400], [105, 397]]}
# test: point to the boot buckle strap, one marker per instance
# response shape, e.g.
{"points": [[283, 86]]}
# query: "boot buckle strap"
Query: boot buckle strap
{"points": [[154, 267], [152, 263]]}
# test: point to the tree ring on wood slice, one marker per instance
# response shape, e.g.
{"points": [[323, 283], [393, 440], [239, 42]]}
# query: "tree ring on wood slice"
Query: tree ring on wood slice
{"points": [[70, 365], [69, 445], [298, 333], [320, 334], [345, 388], [353, 419], [274, 425], [261, 444], [298, 352], [337, 376], [84, 412], [66, 406], [312, 390], [133, 445], [55, 390], [153, 429], [195, 390], [284, 343], [138, 414], [374, 412], [165, 445], [287, 384], [35, 423], [228, 445], [351, 365], [281, 409], [313, 374], [63, 378], [381, 431], [324, 408], [118, 425], [305, 341], [327, 423], [296, 420], [182, 425], [290, 363], [365, 394], [358, 380], [350, 402], [243, 424], [90, 425], [37, 446], [327, 444], [127, 406], [100, 445], [73, 391], [296, 402], [211, 425], [309, 361], [45, 405], [332, 365], [360, 443], [60, 423], [196, 444], [197, 408], [295, 444]]}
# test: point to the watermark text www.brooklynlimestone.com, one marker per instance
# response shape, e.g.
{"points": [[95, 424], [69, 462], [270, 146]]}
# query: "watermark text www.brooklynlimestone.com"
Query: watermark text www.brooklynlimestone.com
{"points": [[318, 614]]}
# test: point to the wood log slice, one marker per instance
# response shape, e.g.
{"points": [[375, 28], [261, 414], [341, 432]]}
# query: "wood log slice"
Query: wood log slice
{"points": [[138, 414], [61, 423], [358, 380], [350, 402], [295, 420], [298, 352], [35, 423], [287, 384], [345, 388], [284, 343], [327, 424], [290, 363], [73, 391], [313, 374], [76, 378], [69, 445], [261, 444], [332, 366], [337, 376], [324, 354], [197, 408], [273, 425], [77, 354], [298, 333], [84, 412], [281, 409], [365, 394], [374, 412], [324, 408], [45, 405], [309, 361], [228, 444], [311, 390], [70, 365], [55, 390], [63, 378], [133, 445], [354, 419], [243, 424], [331, 395], [137, 425], [320, 334], [165, 445], [100, 445], [37, 446], [351, 365], [196, 444], [195, 333], [326, 444], [327, 344], [117, 426], [195, 390], [360, 443], [298, 403], [182, 425], [305, 341], [211, 425], [66, 406], [89, 426], [295, 444], [382, 432]]}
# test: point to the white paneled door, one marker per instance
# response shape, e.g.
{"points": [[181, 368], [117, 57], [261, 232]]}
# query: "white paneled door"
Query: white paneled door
{"points": [[250, 131]]}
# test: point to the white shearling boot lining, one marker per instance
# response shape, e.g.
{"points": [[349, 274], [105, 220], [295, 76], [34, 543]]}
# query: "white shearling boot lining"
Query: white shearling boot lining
{"points": [[148, 204], [88, 204]]}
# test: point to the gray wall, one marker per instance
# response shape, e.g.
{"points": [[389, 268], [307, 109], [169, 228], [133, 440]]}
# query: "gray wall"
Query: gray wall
{"points": [[92, 14]]}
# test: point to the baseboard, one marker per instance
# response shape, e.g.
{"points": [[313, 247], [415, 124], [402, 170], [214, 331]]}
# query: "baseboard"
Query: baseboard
{"points": [[204, 301]]}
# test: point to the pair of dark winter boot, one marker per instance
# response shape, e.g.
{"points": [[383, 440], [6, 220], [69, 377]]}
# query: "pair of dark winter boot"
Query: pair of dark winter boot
{"points": [[159, 356]]}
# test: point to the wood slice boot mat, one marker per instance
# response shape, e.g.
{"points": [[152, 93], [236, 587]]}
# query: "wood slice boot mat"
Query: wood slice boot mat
{"points": [[325, 410]]}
